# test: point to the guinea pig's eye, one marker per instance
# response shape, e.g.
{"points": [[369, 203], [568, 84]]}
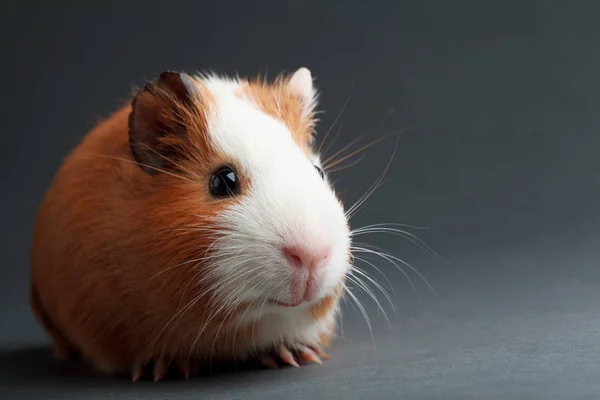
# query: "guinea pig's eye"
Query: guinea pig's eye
{"points": [[320, 171], [224, 183]]}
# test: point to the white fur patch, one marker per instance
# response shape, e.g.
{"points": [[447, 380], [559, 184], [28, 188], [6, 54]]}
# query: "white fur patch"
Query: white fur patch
{"points": [[290, 326], [288, 203]]}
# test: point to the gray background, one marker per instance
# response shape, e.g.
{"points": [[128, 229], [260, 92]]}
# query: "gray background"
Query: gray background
{"points": [[501, 164]]}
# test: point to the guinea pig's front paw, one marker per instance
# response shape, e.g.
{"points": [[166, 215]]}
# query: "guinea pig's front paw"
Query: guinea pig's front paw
{"points": [[160, 369], [294, 355]]}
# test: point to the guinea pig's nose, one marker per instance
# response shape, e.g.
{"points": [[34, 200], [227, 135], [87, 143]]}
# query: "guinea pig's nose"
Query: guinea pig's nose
{"points": [[299, 257]]}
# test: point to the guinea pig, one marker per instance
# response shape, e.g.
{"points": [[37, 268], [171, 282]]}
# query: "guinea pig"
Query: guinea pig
{"points": [[194, 224]]}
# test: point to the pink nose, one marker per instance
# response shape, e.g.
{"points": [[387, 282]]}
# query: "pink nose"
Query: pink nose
{"points": [[302, 258]]}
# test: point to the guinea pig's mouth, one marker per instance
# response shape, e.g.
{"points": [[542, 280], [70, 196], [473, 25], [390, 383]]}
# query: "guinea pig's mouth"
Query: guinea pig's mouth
{"points": [[285, 304]]}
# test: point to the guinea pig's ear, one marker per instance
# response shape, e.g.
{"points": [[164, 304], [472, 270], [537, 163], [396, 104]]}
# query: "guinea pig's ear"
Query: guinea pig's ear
{"points": [[301, 85], [157, 123]]}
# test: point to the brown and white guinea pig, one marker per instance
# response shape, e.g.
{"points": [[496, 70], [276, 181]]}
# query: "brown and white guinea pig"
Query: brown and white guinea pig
{"points": [[195, 224]]}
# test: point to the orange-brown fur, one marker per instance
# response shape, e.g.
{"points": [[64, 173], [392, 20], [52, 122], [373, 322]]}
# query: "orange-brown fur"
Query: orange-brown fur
{"points": [[137, 228], [278, 101]]}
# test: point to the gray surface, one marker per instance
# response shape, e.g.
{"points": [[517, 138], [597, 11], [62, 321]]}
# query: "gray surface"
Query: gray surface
{"points": [[502, 165]]}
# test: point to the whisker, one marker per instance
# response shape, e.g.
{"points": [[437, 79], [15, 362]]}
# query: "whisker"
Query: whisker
{"points": [[343, 167], [230, 312], [407, 235], [391, 258], [362, 259], [368, 132], [393, 224], [173, 267], [365, 287], [372, 280], [337, 135], [324, 162], [360, 206], [239, 275], [338, 116], [398, 132], [364, 313], [143, 165], [188, 306], [225, 305], [334, 162], [213, 314], [351, 211], [181, 312], [241, 318], [259, 313], [411, 283]]}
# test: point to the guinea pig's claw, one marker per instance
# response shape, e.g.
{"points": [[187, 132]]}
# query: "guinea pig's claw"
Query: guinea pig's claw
{"points": [[320, 353], [161, 368], [269, 362], [187, 369], [136, 373], [294, 356], [287, 356], [308, 355]]}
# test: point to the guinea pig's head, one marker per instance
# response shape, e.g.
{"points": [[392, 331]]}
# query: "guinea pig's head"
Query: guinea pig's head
{"points": [[264, 222]]}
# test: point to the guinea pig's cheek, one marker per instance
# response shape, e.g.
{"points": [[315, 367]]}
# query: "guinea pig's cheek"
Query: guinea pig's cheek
{"points": [[333, 273], [339, 271]]}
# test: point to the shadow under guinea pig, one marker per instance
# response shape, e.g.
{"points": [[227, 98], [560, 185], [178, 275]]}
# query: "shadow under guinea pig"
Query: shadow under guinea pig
{"points": [[35, 372]]}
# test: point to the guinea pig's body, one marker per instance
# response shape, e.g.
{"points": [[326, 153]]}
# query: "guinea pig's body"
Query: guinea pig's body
{"points": [[193, 224]]}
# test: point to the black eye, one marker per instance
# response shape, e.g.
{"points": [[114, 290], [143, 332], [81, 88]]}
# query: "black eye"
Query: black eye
{"points": [[224, 183], [320, 171]]}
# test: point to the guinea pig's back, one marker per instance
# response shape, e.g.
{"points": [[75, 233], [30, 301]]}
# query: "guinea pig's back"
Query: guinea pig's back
{"points": [[78, 229]]}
